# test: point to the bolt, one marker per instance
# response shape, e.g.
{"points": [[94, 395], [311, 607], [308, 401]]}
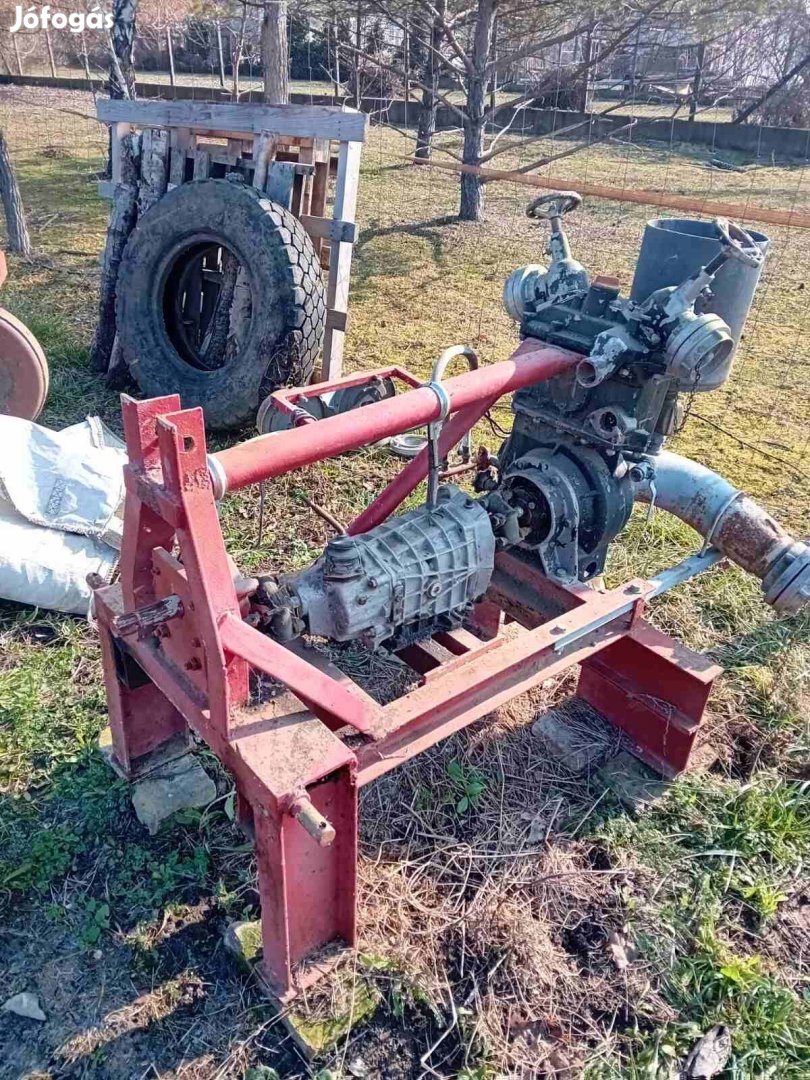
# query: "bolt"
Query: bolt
{"points": [[362, 600], [193, 664], [196, 643], [373, 583]]}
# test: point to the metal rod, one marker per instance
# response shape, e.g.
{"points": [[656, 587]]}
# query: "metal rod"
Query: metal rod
{"points": [[324, 514], [313, 821], [661, 583], [280, 452]]}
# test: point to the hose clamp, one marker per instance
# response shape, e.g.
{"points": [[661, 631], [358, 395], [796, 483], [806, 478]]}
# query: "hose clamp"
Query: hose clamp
{"points": [[219, 481], [443, 398]]}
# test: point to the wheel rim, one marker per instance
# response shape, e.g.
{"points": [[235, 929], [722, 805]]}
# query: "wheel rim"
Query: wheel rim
{"points": [[206, 297]]}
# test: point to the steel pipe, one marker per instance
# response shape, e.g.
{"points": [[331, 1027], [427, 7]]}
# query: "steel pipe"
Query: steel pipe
{"points": [[734, 524], [280, 452], [415, 471]]}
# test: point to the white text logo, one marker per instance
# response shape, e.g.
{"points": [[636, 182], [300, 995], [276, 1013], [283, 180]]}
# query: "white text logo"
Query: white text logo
{"points": [[75, 21]]}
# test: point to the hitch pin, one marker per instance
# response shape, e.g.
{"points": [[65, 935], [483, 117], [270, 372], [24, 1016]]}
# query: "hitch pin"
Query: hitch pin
{"points": [[312, 820]]}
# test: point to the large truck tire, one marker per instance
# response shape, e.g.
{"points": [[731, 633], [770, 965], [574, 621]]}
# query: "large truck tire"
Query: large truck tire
{"points": [[172, 297]]}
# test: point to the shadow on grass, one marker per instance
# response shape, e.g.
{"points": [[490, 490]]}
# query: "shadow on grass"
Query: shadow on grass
{"points": [[386, 261]]}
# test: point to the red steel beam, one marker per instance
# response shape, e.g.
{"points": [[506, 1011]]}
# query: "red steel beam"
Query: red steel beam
{"points": [[280, 452], [415, 471]]}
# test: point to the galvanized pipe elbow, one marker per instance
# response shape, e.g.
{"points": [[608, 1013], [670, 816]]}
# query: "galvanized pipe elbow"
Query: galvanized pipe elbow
{"points": [[733, 523]]}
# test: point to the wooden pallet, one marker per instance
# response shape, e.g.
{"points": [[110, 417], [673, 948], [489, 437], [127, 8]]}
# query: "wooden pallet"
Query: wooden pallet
{"points": [[300, 155]]}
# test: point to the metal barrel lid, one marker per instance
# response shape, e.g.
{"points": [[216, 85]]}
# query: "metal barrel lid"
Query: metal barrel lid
{"points": [[23, 370]]}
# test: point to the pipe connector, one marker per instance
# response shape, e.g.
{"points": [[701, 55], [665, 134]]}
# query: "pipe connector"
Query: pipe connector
{"points": [[734, 524], [786, 584], [219, 481]]}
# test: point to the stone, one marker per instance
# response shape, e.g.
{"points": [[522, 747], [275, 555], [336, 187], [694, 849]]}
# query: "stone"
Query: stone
{"points": [[170, 750], [314, 1036], [631, 781], [26, 1005], [574, 735], [182, 784], [244, 941]]}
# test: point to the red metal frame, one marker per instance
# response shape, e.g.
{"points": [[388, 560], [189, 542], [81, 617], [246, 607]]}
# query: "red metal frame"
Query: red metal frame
{"points": [[291, 759]]}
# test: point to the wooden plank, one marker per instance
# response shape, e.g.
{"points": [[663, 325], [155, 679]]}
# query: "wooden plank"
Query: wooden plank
{"points": [[154, 167], [117, 133], [280, 180], [340, 262], [306, 160], [314, 121], [337, 320], [264, 149], [182, 142], [320, 183], [202, 165], [738, 211], [328, 229]]}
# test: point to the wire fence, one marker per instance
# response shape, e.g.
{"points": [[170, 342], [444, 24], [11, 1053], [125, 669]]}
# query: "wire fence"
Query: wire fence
{"points": [[422, 280]]}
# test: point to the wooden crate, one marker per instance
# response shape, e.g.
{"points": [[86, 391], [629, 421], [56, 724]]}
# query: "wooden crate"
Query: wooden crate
{"points": [[301, 156]]}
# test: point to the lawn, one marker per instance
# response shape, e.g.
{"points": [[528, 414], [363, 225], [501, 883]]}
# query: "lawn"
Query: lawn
{"points": [[505, 915]]}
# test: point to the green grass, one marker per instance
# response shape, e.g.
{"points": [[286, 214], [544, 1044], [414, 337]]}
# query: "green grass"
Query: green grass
{"points": [[728, 856], [722, 858]]}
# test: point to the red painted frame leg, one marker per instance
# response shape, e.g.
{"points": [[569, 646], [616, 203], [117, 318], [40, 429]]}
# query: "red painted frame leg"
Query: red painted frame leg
{"points": [[655, 690], [141, 716], [307, 891]]}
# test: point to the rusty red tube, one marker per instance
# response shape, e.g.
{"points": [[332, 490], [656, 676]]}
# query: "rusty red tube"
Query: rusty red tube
{"points": [[415, 471], [280, 452]]}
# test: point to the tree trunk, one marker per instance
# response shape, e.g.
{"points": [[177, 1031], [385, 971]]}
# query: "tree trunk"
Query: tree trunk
{"points": [[49, 45], [88, 74], [220, 56], [585, 79], [18, 238], [170, 50], [493, 83], [426, 127], [358, 44], [472, 188], [122, 40], [122, 221], [154, 167], [333, 27], [697, 80], [777, 86], [274, 52]]}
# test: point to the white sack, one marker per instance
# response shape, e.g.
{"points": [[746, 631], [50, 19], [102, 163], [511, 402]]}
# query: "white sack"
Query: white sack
{"points": [[61, 511]]}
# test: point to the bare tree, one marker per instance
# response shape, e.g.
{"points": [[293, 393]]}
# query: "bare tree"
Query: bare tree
{"points": [[274, 51], [122, 41], [18, 238], [460, 44]]}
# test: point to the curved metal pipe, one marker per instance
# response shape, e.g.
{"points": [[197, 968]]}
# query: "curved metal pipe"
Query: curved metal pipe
{"points": [[734, 524]]}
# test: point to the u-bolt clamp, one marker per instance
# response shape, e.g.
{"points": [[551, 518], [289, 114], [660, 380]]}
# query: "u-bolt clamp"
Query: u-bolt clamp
{"points": [[434, 429]]}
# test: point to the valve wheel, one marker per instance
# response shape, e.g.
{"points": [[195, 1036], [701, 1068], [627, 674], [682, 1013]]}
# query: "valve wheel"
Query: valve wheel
{"points": [[740, 244], [557, 202]]}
